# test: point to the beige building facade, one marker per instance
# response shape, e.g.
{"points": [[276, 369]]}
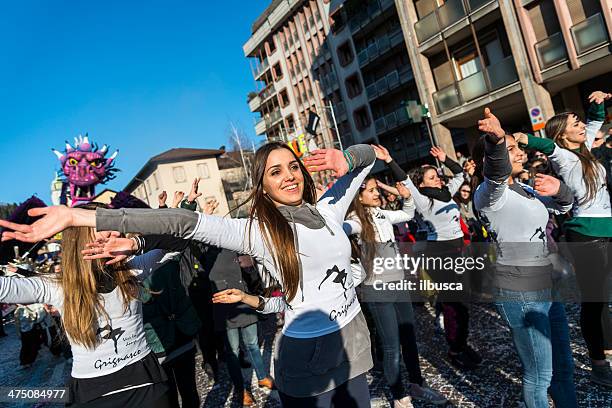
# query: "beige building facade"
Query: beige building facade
{"points": [[175, 170]]}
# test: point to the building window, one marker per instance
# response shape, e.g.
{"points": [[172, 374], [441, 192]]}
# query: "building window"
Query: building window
{"points": [[362, 119], [179, 174], [203, 170], [353, 85], [284, 98], [278, 72], [345, 54], [155, 181]]}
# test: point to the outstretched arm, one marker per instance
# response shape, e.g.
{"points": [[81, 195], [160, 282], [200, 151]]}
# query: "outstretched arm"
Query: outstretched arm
{"points": [[497, 167], [359, 159], [27, 290], [453, 166]]}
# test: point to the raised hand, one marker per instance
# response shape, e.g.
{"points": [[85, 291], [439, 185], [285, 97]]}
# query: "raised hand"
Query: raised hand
{"points": [[403, 190], [161, 199], [210, 206], [546, 185], [114, 247], [387, 188], [327, 159], [438, 153], [599, 97], [228, 296], [491, 125], [193, 194], [178, 197], [382, 153], [521, 138], [54, 219], [469, 167]]}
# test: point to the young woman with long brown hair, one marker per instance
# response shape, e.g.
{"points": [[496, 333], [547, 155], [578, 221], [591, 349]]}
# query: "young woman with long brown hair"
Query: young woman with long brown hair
{"points": [[102, 316], [393, 315], [589, 231], [324, 351], [445, 239]]}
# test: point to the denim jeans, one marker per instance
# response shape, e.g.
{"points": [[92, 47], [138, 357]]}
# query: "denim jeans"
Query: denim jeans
{"points": [[395, 327], [249, 338], [541, 337]]}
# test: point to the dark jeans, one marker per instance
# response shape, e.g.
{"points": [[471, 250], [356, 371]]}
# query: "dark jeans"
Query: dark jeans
{"points": [[541, 337], [395, 327], [592, 266], [181, 375], [352, 394], [240, 378]]}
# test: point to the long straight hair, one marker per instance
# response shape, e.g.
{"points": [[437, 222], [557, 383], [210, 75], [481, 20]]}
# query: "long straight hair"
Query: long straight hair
{"points": [[367, 249], [80, 279], [555, 129], [275, 229]]}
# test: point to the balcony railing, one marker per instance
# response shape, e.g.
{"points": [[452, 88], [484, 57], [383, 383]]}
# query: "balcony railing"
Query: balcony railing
{"points": [[474, 86], [260, 126], [502, 73], [267, 92], [392, 120], [451, 12], [373, 9], [387, 83], [476, 4], [551, 51], [447, 98], [427, 27], [445, 16], [262, 68], [589, 34], [254, 103], [380, 46]]}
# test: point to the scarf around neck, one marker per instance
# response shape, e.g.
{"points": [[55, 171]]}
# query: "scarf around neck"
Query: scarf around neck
{"points": [[440, 194]]}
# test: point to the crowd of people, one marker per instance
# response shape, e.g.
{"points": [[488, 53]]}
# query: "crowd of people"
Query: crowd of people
{"points": [[139, 290]]}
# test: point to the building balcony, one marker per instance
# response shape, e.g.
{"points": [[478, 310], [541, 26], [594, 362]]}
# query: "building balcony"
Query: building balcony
{"points": [[373, 10], [392, 120], [551, 51], [380, 47], [499, 75], [450, 12], [260, 126], [589, 34], [267, 93], [255, 103], [261, 68], [388, 83]]}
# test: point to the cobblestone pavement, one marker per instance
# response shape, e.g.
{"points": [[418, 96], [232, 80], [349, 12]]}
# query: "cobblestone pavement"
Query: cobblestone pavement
{"points": [[495, 384]]}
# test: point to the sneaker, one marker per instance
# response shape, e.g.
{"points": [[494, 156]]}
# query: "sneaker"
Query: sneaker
{"points": [[247, 399], [602, 375], [462, 361], [405, 402], [426, 394], [473, 355], [266, 383]]}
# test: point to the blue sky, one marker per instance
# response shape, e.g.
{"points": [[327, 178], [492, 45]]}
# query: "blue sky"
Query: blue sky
{"points": [[141, 76]]}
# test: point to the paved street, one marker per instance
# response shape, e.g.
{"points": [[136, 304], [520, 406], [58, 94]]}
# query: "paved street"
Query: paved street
{"points": [[495, 384]]}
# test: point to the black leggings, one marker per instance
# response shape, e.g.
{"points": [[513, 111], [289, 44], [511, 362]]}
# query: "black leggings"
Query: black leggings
{"points": [[592, 268], [181, 376], [456, 314], [352, 394]]}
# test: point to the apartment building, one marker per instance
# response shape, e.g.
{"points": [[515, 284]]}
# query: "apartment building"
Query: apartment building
{"points": [[349, 57], [515, 56]]}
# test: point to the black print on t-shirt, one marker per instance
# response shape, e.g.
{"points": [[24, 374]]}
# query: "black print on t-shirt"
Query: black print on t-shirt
{"points": [[113, 334], [541, 236], [339, 279]]}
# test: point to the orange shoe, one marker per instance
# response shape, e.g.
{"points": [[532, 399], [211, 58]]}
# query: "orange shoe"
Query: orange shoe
{"points": [[247, 399], [266, 383]]}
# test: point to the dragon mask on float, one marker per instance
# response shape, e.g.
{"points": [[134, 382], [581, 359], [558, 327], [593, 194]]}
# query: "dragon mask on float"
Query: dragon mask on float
{"points": [[84, 166]]}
